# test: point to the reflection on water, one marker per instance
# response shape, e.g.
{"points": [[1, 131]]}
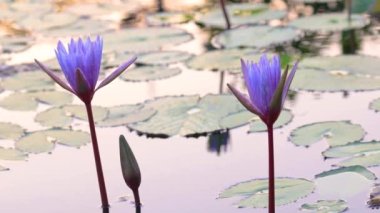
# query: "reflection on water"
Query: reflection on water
{"points": [[218, 142]]}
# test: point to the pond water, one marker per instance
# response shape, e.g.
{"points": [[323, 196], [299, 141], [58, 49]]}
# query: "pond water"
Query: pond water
{"points": [[181, 174]]}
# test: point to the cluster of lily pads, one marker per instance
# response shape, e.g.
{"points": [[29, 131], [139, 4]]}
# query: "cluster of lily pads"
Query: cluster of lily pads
{"points": [[190, 115]]}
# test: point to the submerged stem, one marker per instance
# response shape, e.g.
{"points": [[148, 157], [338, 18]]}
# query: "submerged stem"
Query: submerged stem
{"points": [[225, 14], [98, 163], [137, 200], [271, 198]]}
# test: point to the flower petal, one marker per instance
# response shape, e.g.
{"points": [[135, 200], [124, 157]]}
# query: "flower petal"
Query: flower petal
{"points": [[288, 82], [276, 100], [54, 77], [116, 73], [245, 101]]}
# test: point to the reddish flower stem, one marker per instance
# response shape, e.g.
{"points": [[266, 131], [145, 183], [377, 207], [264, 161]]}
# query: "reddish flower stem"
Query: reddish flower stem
{"points": [[225, 14], [271, 198], [137, 200], [98, 163]]}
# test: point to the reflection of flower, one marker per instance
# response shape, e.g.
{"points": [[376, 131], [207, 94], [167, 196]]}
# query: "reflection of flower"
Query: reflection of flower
{"points": [[217, 141], [80, 64], [267, 89]]}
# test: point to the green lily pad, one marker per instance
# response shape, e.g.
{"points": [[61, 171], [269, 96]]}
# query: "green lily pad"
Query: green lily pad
{"points": [[256, 125], [47, 21], [332, 81], [375, 105], [366, 160], [115, 59], [264, 36], [187, 115], [124, 114], [374, 197], [330, 22], [11, 154], [10, 131], [149, 73], [356, 169], [326, 206], [29, 100], [30, 81], [255, 192], [222, 60], [167, 18], [80, 27], [336, 133], [163, 57], [2, 168], [352, 149], [239, 14], [144, 39], [12, 44], [44, 141], [344, 64], [63, 116]]}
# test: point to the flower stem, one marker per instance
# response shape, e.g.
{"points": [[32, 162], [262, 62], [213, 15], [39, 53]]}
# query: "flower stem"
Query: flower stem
{"points": [[271, 199], [98, 163], [137, 200], [225, 14]]}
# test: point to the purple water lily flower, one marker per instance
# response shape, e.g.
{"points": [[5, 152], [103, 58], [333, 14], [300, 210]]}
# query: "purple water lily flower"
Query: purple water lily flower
{"points": [[267, 88], [80, 64]]}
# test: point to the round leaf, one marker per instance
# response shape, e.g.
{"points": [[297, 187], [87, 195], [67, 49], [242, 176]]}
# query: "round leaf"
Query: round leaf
{"points": [[149, 73], [326, 206], [330, 22], [255, 37], [163, 57], [11, 154], [255, 192], [124, 114], [334, 132]]}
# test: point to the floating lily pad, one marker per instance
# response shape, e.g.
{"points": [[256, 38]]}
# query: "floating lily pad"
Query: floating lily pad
{"points": [[222, 60], [149, 73], [124, 114], [11, 44], [255, 36], [11, 154], [163, 57], [365, 160], [256, 125], [374, 197], [63, 116], [343, 65], [30, 81], [332, 81], [29, 101], [2, 168], [80, 27], [255, 192], [356, 169], [144, 39], [330, 22], [187, 115], [326, 206], [246, 13], [47, 21], [375, 105], [350, 150], [115, 59], [10, 131], [167, 18], [94, 10], [44, 141], [336, 133]]}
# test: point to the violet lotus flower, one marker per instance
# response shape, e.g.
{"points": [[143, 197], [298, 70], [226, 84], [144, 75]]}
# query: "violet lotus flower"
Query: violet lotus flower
{"points": [[267, 88], [80, 64]]}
